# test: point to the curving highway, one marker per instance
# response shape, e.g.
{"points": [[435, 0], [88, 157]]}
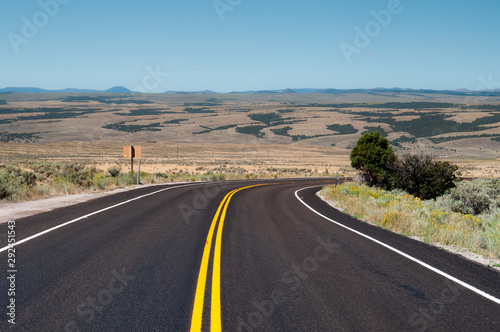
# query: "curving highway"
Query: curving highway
{"points": [[234, 256]]}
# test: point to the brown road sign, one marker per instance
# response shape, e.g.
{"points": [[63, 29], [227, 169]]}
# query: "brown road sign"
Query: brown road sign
{"points": [[137, 152], [132, 152], [127, 152]]}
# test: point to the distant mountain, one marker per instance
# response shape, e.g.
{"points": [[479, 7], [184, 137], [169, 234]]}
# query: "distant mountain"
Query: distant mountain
{"points": [[116, 89], [121, 89], [70, 91], [23, 90], [458, 92], [338, 91]]}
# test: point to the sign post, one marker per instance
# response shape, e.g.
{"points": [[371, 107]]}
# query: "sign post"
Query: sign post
{"points": [[132, 152], [139, 172]]}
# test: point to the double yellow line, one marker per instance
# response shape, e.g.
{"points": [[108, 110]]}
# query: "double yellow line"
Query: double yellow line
{"points": [[215, 312]]}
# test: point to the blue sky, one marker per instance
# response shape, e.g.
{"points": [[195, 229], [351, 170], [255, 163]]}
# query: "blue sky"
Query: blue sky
{"points": [[250, 44]]}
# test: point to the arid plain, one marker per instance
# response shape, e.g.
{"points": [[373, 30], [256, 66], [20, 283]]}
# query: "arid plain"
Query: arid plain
{"points": [[312, 133]]}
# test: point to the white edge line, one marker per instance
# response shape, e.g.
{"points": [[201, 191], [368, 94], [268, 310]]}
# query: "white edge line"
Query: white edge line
{"points": [[88, 215], [472, 288]]}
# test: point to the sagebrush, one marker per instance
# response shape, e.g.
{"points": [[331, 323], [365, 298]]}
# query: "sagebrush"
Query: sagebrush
{"points": [[433, 220]]}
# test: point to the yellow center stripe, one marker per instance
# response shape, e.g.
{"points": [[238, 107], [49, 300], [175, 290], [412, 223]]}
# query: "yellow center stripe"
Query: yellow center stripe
{"points": [[202, 277], [215, 315]]}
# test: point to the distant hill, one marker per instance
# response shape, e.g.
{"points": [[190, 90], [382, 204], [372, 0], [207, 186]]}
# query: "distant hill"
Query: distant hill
{"points": [[68, 91], [116, 89], [22, 90], [121, 89]]}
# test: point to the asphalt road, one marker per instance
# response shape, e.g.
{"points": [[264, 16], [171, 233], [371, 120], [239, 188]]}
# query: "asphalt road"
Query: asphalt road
{"points": [[256, 259]]}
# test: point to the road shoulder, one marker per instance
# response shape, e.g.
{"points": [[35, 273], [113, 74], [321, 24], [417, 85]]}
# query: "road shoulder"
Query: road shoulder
{"points": [[450, 248]]}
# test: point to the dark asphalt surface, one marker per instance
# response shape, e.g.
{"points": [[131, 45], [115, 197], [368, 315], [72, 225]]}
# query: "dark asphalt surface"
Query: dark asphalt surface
{"points": [[284, 268]]}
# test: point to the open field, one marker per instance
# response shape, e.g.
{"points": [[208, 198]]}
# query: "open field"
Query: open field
{"points": [[254, 132], [197, 158]]}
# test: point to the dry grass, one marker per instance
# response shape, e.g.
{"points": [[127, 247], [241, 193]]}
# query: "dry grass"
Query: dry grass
{"points": [[165, 163], [160, 157], [408, 215]]}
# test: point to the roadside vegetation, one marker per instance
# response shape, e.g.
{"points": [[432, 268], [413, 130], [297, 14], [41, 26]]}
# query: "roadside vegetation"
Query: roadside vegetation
{"points": [[417, 174], [448, 220], [43, 179], [416, 196]]}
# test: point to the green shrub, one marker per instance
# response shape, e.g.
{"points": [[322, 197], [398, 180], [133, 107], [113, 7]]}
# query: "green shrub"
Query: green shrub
{"points": [[45, 170], [114, 171], [6, 189], [78, 174], [127, 179], [160, 175], [73, 172], [100, 181], [420, 176], [13, 180], [43, 190], [371, 155], [217, 177], [475, 197]]}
